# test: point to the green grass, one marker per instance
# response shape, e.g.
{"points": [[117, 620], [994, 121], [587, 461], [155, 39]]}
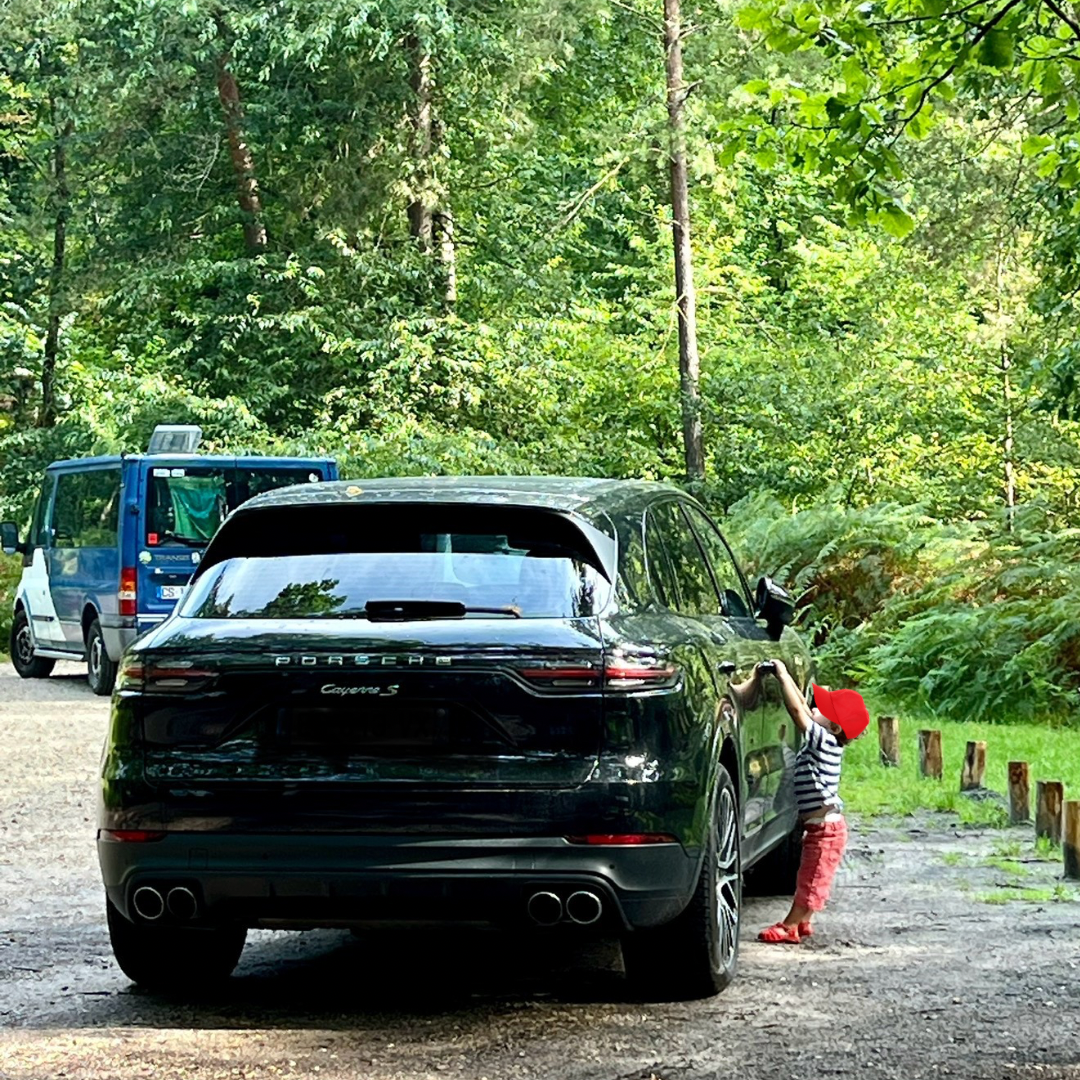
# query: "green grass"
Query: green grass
{"points": [[1057, 894], [870, 789], [1008, 866]]}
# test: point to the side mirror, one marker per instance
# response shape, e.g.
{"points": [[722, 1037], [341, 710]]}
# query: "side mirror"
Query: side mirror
{"points": [[774, 604], [9, 538]]}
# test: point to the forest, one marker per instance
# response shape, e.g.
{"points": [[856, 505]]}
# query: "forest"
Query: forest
{"points": [[436, 236]]}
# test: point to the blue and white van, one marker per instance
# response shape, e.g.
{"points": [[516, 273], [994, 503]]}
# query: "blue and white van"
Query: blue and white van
{"points": [[113, 541]]}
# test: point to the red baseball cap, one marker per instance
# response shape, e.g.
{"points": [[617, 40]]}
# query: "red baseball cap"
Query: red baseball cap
{"points": [[843, 707]]}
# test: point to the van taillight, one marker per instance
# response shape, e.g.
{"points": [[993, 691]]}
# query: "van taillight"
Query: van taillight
{"points": [[127, 595]]}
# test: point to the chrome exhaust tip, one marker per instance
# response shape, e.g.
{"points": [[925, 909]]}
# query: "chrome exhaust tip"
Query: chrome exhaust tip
{"points": [[545, 908], [181, 903], [148, 903], [584, 908]]}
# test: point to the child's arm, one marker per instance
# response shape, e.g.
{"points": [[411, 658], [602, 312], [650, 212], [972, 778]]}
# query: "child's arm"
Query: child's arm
{"points": [[793, 698]]}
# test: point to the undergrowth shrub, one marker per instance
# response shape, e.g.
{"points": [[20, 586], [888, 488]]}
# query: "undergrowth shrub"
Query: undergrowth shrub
{"points": [[969, 621]]}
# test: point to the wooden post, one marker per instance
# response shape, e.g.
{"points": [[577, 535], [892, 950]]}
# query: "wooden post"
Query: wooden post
{"points": [[889, 740], [1049, 795], [930, 762], [974, 766], [1019, 792], [1071, 840]]}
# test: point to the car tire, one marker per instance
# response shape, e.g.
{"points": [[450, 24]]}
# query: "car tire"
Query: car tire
{"points": [[100, 670], [23, 659], [174, 958], [696, 954], [776, 874]]}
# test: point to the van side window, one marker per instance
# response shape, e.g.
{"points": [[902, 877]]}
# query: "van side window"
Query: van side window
{"points": [[37, 522], [86, 512]]}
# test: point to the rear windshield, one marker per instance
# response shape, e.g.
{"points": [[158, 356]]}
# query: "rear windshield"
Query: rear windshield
{"points": [[186, 504], [429, 562]]}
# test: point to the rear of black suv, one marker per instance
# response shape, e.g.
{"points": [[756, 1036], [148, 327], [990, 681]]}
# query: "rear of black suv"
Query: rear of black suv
{"points": [[383, 711]]}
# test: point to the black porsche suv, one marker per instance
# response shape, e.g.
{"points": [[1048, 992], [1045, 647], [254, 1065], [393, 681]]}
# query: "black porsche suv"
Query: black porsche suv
{"points": [[529, 701]]}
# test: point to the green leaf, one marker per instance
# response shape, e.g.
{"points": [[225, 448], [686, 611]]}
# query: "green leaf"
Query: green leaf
{"points": [[996, 50], [1035, 144], [753, 17], [1048, 164], [765, 158], [854, 77], [895, 221]]}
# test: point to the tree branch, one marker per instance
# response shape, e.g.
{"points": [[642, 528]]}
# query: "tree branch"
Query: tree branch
{"points": [[1069, 20], [580, 202], [938, 80], [928, 18]]}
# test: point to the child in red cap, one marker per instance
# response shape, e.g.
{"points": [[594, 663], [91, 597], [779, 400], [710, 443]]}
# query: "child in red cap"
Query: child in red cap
{"points": [[837, 717]]}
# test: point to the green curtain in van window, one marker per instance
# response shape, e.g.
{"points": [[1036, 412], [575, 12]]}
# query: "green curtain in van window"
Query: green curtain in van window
{"points": [[197, 503]]}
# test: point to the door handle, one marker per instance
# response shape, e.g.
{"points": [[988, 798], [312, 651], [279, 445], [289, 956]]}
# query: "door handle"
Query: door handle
{"points": [[726, 667]]}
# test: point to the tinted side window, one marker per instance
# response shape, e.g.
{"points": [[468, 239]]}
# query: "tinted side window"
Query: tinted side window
{"points": [[633, 585], [660, 572], [696, 592], [87, 508], [732, 595]]}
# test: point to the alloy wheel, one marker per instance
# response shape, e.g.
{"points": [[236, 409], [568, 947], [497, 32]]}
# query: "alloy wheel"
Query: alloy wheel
{"points": [[728, 890]]}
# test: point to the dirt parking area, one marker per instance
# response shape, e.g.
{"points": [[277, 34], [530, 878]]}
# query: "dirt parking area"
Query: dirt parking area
{"points": [[912, 973]]}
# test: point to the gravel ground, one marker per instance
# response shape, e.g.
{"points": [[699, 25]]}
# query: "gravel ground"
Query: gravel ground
{"points": [[909, 976]]}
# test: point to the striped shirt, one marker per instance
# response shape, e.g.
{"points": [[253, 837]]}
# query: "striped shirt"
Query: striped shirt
{"points": [[817, 771]]}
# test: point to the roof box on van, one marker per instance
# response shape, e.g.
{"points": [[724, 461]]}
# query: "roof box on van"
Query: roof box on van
{"points": [[174, 439]]}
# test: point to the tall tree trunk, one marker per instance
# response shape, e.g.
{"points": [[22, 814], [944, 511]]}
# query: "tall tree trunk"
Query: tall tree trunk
{"points": [[686, 300], [431, 221], [1008, 461], [247, 184], [443, 225], [1007, 438], [422, 205], [62, 204]]}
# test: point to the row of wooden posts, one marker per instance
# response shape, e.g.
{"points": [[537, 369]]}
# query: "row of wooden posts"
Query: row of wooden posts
{"points": [[1056, 818]]}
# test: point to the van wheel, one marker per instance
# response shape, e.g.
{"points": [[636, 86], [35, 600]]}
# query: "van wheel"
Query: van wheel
{"points": [[695, 955], [100, 670], [174, 958], [23, 659]]}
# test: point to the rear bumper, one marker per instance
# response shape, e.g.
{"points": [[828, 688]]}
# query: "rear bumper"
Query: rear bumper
{"points": [[118, 632], [341, 880]]}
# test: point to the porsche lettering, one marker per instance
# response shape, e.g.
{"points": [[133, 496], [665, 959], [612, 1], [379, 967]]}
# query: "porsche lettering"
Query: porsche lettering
{"points": [[363, 660]]}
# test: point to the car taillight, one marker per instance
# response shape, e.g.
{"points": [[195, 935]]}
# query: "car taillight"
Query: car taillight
{"points": [[622, 675], [173, 677], [127, 594], [623, 839], [131, 836]]}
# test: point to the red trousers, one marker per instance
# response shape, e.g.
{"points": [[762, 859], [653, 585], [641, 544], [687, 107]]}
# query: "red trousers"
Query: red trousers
{"points": [[822, 848]]}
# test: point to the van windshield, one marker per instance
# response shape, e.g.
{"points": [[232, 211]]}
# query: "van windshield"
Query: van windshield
{"points": [[186, 504]]}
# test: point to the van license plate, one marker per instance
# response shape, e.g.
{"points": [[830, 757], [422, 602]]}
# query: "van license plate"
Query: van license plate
{"points": [[170, 592]]}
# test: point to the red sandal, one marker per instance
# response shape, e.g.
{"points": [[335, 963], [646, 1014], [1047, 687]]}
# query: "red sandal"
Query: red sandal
{"points": [[780, 934], [805, 930]]}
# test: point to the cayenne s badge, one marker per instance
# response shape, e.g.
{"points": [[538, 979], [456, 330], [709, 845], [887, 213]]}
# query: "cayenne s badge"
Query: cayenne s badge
{"points": [[366, 691]]}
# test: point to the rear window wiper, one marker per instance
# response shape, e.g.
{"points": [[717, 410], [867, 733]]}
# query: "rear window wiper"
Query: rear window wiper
{"points": [[403, 610], [189, 541]]}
